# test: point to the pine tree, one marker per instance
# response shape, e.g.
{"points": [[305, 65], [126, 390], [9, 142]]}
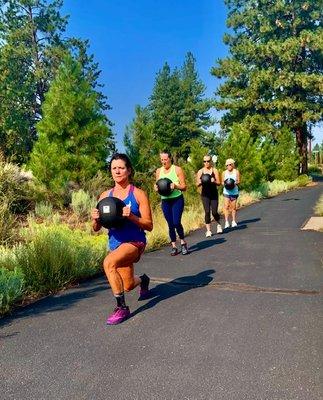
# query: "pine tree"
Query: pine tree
{"points": [[74, 137], [246, 151], [32, 46], [195, 115], [275, 65], [139, 142], [166, 105]]}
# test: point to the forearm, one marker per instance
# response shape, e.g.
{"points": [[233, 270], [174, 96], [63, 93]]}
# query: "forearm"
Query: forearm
{"points": [[96, 226], [180, 186], [144, 223]]}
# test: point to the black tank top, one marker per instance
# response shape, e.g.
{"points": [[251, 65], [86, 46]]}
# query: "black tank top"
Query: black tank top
{"points": [[211, 190]]}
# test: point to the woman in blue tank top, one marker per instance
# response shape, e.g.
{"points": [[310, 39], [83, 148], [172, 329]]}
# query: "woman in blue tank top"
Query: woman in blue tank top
{"points": [[128, 242]]}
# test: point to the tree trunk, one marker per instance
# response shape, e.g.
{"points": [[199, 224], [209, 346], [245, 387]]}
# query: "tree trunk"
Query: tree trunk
{"points": [[301, 140]]}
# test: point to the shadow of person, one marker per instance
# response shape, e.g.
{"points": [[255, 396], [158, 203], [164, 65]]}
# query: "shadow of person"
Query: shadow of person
{"points": [[175, 287], [249, 221], [205, 244]]}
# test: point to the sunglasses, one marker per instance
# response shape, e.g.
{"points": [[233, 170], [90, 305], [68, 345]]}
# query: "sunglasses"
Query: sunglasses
{"points": [[228, 164], [206, 161]]}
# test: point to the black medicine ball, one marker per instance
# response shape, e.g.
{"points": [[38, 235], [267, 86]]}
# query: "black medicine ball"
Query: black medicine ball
{"points": [[229, 183], [206, 179], [110, 210], [163, 185]]}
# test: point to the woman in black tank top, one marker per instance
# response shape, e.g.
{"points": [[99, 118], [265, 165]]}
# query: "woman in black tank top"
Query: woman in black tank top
{"points": [[209, 179]]}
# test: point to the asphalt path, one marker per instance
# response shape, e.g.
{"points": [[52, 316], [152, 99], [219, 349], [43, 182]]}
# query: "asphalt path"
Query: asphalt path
{"points": [[240, 317]]}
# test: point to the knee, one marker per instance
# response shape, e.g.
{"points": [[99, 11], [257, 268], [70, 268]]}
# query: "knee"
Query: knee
{"points": [[109, 265]]}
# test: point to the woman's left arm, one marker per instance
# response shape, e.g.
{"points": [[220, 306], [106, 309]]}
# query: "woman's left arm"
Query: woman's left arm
{"points": [[238, 178], [217, 177], [181, 185], [145, 221]]}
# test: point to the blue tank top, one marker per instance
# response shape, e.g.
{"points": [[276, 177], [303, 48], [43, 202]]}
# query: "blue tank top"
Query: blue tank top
{"points": [[129, 232]]}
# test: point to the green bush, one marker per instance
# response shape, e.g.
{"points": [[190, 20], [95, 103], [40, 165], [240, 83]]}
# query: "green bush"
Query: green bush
{"points": [[11, 288], [7, 224], [314, 169], [82, 203], [55, 255], [44, 210], [303, 180]]}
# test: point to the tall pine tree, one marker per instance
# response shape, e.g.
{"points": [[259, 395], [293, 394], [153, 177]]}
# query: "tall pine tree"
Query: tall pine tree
{"points": [[32, 46], [74, 136], [274, 67]]}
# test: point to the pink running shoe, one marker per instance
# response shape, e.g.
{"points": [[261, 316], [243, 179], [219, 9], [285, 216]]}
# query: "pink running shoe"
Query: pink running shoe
{"points": [[119, 315]]}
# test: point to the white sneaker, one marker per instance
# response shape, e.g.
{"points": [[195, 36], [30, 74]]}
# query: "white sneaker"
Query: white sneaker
{"points": [[219, 229], [234, 224], [208, 234], [226, 225]]}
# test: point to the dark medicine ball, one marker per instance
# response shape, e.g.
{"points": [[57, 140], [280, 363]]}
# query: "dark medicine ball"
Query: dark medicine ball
{"points": [[229, 183], [206, 179], [110, 210], [163, 185]]}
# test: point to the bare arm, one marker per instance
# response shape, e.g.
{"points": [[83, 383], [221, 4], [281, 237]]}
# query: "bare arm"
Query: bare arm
{"points": [[96, 226], [238, 178], [145, 221], [181, 185], [217, 177], [198, 178]]}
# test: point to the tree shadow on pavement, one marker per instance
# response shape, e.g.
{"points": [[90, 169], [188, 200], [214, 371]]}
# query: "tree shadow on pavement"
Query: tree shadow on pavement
{"points": [[177, 286], [205, 244]]}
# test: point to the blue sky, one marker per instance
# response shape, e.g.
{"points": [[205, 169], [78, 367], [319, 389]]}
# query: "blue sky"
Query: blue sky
{"points": [[131, 40]]}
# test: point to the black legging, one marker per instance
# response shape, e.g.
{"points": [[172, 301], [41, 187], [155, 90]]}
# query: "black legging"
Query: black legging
{"points": [[208, 205], [173, 210]]}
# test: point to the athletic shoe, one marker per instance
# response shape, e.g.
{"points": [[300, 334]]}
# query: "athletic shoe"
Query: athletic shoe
{"points": [[119, 315], [234, 224], [144, 287], [208, 234], [219, 229], [174, 251], [184, 249], [226, 225]]}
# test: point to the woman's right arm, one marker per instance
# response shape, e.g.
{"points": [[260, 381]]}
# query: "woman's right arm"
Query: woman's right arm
{"points": [[96, 226], [198, 178]]}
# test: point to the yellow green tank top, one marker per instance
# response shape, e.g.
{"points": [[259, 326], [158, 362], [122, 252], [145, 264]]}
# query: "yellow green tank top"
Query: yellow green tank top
{"points": [[174, 178]]}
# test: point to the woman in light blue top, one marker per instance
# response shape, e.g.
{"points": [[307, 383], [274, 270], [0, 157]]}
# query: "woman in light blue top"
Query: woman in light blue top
{"points": [[230, 194]]}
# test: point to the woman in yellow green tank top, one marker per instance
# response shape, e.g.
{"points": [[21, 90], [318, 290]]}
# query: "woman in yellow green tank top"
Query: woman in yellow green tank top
{"points": [[173, 205]]}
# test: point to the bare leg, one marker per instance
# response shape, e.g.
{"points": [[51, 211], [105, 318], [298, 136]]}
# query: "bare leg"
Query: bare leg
{"points": [[124, 256]]}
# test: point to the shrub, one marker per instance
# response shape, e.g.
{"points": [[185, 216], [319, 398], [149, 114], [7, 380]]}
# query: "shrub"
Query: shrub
{"points": [[319, 207], [11, 288], [55, 255], [44, 210], [82, 203]]}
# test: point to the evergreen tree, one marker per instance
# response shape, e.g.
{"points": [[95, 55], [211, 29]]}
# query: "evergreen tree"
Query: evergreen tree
{"points": [[195, 115], [275, 65], [246, 151], [139, 142], [32, 47], [166, 105], [74, 137]]}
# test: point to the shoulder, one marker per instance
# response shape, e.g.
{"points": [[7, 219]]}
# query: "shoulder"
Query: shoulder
{"points": [[157, 172], [215, 170], [139, 194], [178, 169], [200, 171], [104, 194]]}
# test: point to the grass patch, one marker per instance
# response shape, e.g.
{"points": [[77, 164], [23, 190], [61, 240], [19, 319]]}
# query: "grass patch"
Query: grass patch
{"points": [[318, 209]]}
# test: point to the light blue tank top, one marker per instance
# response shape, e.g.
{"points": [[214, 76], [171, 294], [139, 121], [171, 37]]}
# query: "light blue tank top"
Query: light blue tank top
{"points": [[233, 175], [129, 232]]}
